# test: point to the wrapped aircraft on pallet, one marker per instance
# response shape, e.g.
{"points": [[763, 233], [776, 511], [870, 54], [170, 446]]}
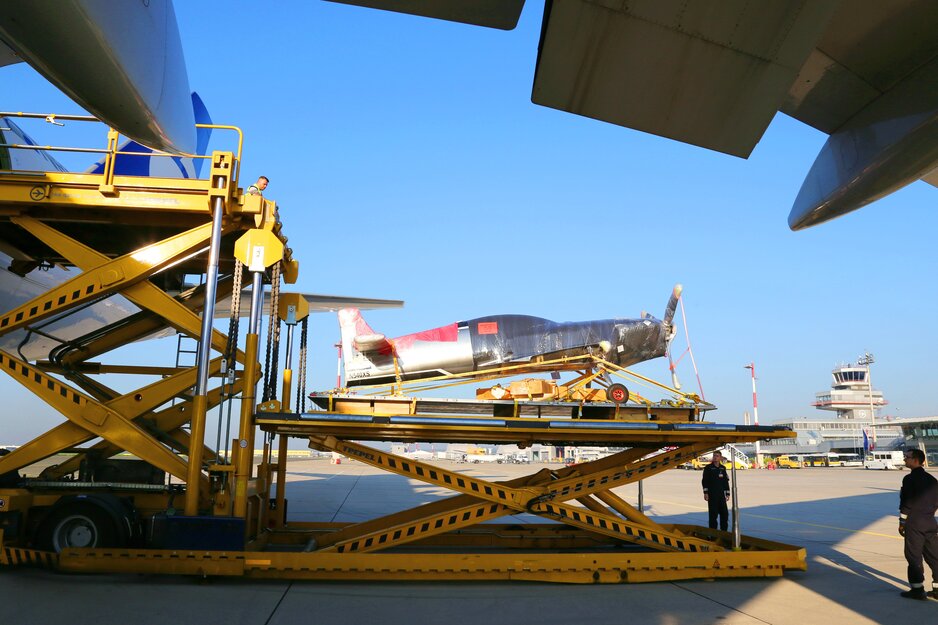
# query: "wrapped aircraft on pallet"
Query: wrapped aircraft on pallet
{"points": [[524, 343]]}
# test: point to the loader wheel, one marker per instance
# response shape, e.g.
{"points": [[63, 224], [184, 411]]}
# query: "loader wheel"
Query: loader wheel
{"points": [[78, 524], [617, 393]]}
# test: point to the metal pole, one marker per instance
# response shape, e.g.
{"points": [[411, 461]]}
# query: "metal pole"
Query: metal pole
{"points": [[244, 454], [287, 366], [737, 541], [641, 496], [338, 367], [200, 401], [869, 382], [755, 410], [282, 447], [257, 302]]}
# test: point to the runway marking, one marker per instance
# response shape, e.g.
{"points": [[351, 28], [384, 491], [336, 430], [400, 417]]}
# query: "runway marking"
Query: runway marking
{"points": [[772, 518]]}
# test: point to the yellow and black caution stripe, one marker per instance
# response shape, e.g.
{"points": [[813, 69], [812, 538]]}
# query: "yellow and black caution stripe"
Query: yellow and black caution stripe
{"points": [[15, 556], [37, 380]]}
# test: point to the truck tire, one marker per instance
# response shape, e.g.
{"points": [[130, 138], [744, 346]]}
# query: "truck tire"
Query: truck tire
{"points": [[77, 524], [86, 521]]}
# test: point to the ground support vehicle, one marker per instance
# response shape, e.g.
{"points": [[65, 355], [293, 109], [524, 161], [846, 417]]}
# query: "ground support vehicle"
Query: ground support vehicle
{"points": [[181, 507], [884, 460], [789, 462]]}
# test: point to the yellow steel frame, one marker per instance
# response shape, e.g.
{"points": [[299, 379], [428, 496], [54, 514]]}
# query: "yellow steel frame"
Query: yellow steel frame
{"points": [[132, 422], [590, 533], [447, 539], [589, 367], [542, 494]]}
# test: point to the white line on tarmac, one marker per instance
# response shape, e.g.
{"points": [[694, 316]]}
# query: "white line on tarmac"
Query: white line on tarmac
{"points": [[772, 518]]}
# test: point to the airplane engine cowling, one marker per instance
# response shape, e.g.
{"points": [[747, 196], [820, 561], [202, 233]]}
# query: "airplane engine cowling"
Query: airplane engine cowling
{"points": [[638, 340]]}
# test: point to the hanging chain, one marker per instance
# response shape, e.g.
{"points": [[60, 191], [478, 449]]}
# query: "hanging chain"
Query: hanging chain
{"points": [[273, 337], [301, 382], [231, 348]]}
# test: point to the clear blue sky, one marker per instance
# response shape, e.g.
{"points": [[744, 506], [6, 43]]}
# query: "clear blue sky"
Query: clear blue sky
{"points": [[410, 163]]}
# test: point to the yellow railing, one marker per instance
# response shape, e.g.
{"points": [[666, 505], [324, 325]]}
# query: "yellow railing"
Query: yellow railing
{"points": [[113, 139]]}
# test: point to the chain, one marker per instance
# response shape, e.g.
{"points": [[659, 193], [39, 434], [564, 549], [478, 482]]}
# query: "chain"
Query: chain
{"points": [[273, 337], [233, 323], [301, 382], [231, 350]]}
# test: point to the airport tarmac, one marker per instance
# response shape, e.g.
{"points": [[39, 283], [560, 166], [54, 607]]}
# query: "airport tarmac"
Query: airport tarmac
{"points": [[845, 517]]}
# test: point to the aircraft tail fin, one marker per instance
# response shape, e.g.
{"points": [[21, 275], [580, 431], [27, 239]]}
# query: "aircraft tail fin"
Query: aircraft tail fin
{"points": [[23, 158], [141, 161], [360, 344]]}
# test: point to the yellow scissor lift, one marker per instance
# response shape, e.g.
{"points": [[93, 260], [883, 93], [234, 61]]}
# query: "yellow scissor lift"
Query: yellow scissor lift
{"points": [[133, 237], [125, 236]]}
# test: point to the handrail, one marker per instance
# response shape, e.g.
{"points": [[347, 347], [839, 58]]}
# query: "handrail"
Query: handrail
{"points": [[237, 176], [52, 118]]}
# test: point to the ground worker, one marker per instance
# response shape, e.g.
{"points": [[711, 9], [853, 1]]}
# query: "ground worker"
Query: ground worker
{"points": [[918, 501], [258, 187], [716, 490]]}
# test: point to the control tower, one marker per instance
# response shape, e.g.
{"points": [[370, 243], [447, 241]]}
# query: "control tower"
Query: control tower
{"points": [[850, 393]]}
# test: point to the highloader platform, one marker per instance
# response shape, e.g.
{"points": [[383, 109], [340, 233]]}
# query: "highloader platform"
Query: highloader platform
{"points": [[180, 506]]}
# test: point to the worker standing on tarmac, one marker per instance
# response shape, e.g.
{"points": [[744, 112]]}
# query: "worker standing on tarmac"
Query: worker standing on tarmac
{"points": [[716, 490], [918, 501]]}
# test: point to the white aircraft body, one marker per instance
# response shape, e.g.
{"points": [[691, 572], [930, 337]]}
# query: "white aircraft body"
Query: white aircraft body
{"points": [[123, 62]]}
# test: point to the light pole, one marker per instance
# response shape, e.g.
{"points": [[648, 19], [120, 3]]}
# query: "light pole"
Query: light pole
{"points": [[338, 368], [867, 360], [755, 410]]}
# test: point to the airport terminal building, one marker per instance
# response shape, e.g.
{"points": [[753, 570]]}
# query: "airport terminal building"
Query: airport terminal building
{"points": [[923, 434]]}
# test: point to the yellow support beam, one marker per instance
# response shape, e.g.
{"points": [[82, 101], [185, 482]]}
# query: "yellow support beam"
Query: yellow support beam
{"points": [[88, 417], [143, 293], [490, 500]]}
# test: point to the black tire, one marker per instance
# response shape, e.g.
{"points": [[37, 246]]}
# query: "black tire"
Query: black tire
{"points": [[617, 393], [78, 523]]}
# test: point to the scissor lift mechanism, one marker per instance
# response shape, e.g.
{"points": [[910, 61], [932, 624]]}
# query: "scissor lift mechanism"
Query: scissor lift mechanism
{"points": [[589, 534]]}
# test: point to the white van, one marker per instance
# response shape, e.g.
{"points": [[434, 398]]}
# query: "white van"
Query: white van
{"points": [[884, 460]]}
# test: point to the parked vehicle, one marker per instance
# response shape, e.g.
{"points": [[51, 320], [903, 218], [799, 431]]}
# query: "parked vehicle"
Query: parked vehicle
{"points": [[885, 460], [789, 462]]}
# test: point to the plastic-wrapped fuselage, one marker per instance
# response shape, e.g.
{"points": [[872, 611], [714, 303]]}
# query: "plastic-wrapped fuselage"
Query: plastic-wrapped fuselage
{"points": [[490, 342]]}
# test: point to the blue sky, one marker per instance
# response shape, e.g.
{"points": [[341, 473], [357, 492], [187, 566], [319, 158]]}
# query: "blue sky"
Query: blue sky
{"points": [[410, 163]]}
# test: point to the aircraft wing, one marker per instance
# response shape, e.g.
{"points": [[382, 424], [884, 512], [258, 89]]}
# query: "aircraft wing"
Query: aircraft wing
{"points": [[121, 61], [7, 56], [714, 73], [501, 14], [317, 303], [711, 74]]}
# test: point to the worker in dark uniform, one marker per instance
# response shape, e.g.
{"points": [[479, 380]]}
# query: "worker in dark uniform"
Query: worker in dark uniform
{"points": [[716, 490], [918, 501]]}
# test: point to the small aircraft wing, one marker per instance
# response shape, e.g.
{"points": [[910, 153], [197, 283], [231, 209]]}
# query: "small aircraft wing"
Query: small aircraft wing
{"points": [[372, 344], [317, 303]]}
